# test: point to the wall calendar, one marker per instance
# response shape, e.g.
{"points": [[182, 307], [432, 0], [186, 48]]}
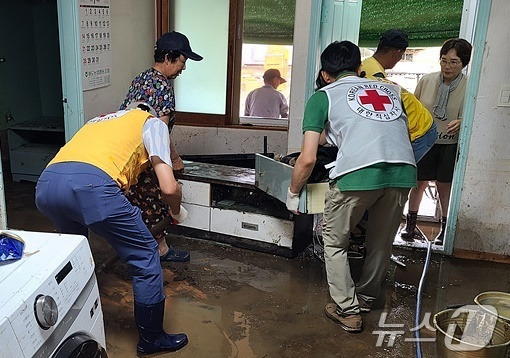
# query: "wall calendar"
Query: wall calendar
{"points": [[95, 43]]}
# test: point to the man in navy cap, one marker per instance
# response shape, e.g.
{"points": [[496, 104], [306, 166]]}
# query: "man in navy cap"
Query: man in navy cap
{"points": [[391, 47], [154, 87]]}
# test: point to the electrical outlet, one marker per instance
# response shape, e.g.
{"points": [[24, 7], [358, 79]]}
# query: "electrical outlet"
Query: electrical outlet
{"points": [[504, 96]]}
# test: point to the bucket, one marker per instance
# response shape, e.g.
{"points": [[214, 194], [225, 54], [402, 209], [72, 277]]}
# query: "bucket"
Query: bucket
{"points": [[471, 332], [499, 300]]}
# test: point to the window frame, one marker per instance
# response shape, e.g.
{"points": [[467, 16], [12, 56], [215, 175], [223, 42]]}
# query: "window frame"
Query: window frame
{"points": [[231, 117]]}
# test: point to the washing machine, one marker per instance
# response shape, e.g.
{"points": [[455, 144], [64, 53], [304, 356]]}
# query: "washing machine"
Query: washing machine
{"points": [[49, 300]]}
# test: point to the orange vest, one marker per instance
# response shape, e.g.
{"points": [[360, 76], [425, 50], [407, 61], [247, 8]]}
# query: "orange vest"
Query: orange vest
{"points": [[111, 143]]}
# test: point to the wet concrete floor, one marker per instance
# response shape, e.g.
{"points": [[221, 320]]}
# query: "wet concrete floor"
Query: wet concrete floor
{"points": [[233, 302]]}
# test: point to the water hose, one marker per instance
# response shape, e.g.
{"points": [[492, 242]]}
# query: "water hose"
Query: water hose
{"points": [[418, 300]]}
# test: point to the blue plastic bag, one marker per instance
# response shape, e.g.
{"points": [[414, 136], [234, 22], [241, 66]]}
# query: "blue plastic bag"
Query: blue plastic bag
{"points": [[11, 246]]}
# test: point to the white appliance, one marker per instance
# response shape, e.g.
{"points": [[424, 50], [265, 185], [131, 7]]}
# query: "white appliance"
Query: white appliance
{"points": [[49, 300]]}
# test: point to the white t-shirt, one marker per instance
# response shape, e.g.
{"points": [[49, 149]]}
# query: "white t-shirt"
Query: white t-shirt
{"points": [[156, 139]]}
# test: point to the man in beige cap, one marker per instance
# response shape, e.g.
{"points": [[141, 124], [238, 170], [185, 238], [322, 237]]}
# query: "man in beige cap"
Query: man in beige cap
{"points": [[266, 101]]}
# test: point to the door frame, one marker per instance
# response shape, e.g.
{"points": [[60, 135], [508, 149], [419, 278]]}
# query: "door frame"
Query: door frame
{"points": [[474, 25], [482, 13], [70, 60]]}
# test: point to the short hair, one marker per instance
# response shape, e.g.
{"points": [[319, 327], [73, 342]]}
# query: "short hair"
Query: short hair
{"points": [[340, 56], [319, 81], [159, 55], [461, 47]]}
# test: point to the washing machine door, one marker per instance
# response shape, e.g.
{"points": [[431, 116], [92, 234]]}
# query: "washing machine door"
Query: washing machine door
{"points": [[80, 345]]}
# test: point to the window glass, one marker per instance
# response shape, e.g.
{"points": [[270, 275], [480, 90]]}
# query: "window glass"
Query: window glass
{"points": [[428, 23], [266, 48], [269, 21], [259, 58], [202, 87]]}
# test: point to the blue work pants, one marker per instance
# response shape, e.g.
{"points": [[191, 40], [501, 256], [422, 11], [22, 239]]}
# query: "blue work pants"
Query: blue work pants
{"points": [[423, 144], [78, 196]]}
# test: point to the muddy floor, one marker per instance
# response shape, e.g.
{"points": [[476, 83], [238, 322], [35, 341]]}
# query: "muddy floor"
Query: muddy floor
{"points": [[233, 302]]}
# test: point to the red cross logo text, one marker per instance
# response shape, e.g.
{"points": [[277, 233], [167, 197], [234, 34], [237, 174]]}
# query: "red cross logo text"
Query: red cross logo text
{"points": [[375, 99]]}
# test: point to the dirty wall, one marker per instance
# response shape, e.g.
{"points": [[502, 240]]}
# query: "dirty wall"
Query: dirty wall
{"points": [[133, 38], [483, 222]]}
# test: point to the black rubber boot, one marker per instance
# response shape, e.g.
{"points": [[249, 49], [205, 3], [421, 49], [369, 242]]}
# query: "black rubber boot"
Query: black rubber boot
{"points": [[151, 336], [440, 237], [407, 233]]}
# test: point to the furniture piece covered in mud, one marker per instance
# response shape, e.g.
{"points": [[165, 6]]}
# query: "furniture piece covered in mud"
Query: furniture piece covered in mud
{"points": [[225, 205], [32, 144]]}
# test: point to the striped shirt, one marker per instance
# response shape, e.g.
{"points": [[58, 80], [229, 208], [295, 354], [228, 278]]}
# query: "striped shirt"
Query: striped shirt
{"points": [[156, 139]]}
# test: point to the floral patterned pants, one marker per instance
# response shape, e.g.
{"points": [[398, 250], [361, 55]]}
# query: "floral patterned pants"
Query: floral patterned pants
{"points": [[146, 196]]}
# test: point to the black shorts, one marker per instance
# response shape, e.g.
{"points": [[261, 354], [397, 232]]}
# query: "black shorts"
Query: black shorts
{"points": [[438, 163]]}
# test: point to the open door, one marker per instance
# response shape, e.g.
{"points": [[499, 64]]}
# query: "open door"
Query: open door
{"points": [[31, 113], [70, 57]]}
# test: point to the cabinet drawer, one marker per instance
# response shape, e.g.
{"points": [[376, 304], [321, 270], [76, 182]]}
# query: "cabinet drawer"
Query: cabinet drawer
{"points": [[252, 226], [194, 192], [31, 159], [198, 217]]}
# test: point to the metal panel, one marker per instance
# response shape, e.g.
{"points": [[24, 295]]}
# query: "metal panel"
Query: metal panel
{"points": [[198, 217], [252, 226], [194, 192], [274, 177], [31, 159]]}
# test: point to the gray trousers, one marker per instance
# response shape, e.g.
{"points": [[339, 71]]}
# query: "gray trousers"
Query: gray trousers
{"points": [[342, 211]]}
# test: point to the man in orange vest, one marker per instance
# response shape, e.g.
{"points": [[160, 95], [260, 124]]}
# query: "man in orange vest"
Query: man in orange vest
{"points": [[82, 188]]}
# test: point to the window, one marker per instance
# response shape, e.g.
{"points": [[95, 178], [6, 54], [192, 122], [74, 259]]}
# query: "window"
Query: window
{"points": [[202, 91], [256, 60], [407, 57], [428, 23], [209, 92]]}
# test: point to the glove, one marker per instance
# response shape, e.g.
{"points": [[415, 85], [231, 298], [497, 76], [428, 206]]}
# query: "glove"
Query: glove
{"points": [[292, 202], [179, 218]]}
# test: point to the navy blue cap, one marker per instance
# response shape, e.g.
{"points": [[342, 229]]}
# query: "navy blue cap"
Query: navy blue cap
{"points": [[394, 38], [175, 41]]}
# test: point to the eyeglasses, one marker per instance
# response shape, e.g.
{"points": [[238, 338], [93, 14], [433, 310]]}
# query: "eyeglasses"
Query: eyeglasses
{"points": [[452, 63]]}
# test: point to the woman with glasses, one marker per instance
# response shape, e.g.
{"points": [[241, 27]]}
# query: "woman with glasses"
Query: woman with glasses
{"points": [[442, 93]]}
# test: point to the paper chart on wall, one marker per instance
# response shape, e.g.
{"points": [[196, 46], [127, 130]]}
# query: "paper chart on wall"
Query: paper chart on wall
{"points": [[95, 43]]}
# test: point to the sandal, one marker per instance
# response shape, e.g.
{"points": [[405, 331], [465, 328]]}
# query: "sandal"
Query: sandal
{"points": [[173, 255]]}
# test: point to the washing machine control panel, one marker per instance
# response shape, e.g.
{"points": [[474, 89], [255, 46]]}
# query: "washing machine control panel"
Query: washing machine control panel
{"points": [[58, 274]]}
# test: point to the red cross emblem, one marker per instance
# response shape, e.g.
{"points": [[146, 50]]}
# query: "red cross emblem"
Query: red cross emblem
{"points": [[375, 99]]}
